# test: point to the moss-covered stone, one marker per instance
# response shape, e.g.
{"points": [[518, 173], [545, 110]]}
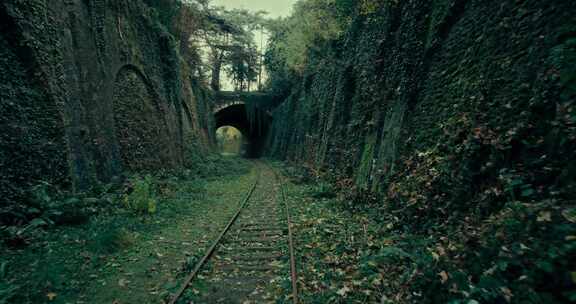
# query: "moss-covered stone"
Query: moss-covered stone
{"points": [[69, 98]]}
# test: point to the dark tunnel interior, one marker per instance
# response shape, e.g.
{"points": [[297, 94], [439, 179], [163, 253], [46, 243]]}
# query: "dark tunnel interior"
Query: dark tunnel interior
{"points": [[254, 126]]}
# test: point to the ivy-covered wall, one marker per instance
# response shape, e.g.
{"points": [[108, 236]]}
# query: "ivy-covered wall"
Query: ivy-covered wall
{"points": [[490, 77], [451, 117], [90, 90], [32, 142]]}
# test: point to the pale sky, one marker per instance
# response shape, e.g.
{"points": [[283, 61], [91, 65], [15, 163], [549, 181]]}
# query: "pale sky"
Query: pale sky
{"points": [[275, 8]]}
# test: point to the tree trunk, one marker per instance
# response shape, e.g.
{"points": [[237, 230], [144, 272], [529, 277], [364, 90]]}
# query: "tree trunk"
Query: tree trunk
{"points": [[217, 58]]}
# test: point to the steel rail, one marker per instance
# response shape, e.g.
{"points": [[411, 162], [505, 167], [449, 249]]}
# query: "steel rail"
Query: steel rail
{"points": [[293, 270], [210, 251]]}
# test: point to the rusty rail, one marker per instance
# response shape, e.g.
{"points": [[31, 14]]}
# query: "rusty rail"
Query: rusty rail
{"points": [[210, 251], [293, 270]]}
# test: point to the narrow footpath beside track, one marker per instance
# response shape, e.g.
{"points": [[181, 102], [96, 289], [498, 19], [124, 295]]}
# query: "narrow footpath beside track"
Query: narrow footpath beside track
{"points": [[253, 255]]}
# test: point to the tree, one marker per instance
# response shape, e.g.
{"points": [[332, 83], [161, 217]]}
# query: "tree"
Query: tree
{"points": [[244, 59], [215, 39], [310, 27]]}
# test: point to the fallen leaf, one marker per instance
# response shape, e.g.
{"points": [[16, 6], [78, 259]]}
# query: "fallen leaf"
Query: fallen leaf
{"points": [[123, 282], [570, 215], [51, 296], [343, 291], [443, 276], [544, 216], [507, 293]]}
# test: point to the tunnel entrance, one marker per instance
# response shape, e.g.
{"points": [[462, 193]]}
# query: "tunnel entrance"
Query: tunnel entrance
{"points": [[230, 141], [252, 123]]}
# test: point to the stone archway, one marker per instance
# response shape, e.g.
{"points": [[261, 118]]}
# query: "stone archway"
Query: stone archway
{"points": [[253, 126], [141, 129]]}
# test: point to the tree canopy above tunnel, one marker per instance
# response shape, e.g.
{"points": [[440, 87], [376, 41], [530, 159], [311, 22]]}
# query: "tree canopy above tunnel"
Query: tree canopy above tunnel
{"points": [[217, 40]]}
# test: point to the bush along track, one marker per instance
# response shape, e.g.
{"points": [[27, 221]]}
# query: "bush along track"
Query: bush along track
{"points": [[359, 253], [128, 244]]}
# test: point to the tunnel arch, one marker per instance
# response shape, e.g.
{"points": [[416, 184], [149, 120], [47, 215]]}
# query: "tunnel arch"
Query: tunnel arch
{"points": [[251, 121], [139, 121]]}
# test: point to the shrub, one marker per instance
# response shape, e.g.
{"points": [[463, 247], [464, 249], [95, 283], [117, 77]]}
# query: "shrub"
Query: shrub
{"points": [[142, 199]]}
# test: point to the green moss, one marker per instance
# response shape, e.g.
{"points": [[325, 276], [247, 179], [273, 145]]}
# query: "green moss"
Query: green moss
{"points": [[563, 56], [32, 140], [438, 14], [364, 171]]}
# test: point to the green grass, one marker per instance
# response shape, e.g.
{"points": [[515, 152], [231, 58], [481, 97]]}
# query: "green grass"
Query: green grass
{"points": [[119, 253]]}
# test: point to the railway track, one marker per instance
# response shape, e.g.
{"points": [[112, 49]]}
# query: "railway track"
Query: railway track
{"points": [[253, 253]]}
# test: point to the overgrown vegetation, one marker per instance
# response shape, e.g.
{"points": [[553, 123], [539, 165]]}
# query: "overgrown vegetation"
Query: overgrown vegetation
{"points": [[142, 198], [438, 140], [313, 26], [357, 250], [90, 231], [457, 149]]}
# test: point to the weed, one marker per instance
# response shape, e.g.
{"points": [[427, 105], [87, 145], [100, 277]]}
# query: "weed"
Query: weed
{"points": [[142, 199], [188, 265]]}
